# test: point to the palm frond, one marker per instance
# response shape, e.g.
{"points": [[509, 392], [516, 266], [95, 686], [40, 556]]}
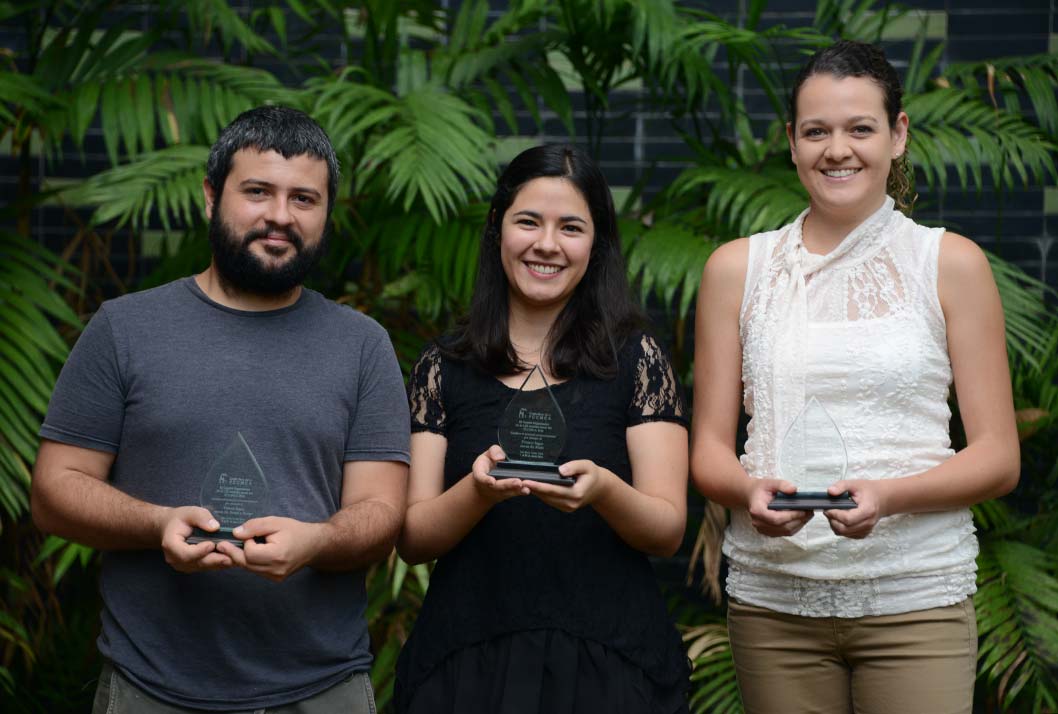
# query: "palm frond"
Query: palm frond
{"points": [[427, 146], [168, 181], [68, 553], [996, 517], [207, 17], [1028, 317], [703, 36], [81, 50], [76, 65], [31, 350], [195, 93], [666, 260], [714, 689], [922, 63], [756, 51], [21, 94], [954, 128], [138, 95], [1017, 620], [654, 27], [435, 263], [435, 150], [689, 68], [1034, 76], [855, 19], [477, 57], [390, 590], [742, 199]]}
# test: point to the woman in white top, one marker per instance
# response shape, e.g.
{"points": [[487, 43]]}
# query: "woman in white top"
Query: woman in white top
{"points": [[843, 331]]}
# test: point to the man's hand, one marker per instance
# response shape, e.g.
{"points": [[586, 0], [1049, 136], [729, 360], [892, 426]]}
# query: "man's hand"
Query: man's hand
{"points": [[288, 546], [176, 526]]}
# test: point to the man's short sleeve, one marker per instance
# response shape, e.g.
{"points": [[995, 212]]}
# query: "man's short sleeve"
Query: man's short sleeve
{"points": [[381, 428], [87, 407]]}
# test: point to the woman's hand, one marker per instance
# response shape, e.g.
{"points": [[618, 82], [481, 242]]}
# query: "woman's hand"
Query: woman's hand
{"points": [[774, 524], [490, 488], [590, 483], [857, 522]]}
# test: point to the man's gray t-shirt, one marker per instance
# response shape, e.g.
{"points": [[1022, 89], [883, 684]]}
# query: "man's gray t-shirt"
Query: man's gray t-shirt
{"points": [[164, 379]]}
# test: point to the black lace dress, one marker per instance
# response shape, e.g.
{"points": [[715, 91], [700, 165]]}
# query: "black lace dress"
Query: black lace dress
{"points": [[538, 610]]}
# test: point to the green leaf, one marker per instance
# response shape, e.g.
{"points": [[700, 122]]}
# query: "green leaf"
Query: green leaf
{"points": [[666, 259], [1017, 618], [167, 179]]}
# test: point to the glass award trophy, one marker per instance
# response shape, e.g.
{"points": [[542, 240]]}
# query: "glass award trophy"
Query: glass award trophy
{"points": [[532, 433], [234, 491], [812, 455]]}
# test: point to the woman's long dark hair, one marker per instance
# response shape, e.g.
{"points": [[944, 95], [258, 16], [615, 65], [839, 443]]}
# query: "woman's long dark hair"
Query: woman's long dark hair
{"points": [[599, 315]]}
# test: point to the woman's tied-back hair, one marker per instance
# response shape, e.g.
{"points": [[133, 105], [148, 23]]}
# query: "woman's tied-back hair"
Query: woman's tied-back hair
{"points": [[600, 313], [286, 131], [848, 58]]}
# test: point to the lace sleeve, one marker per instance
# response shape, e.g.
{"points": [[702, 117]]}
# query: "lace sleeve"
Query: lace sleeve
{"points": [[424, 393], [656, 395]]}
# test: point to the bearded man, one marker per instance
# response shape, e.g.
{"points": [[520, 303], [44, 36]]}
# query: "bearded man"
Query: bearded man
{"points": [[237, 394]]}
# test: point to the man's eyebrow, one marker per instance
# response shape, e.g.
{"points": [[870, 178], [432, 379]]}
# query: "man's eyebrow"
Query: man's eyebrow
{"points": [[248, 183]]}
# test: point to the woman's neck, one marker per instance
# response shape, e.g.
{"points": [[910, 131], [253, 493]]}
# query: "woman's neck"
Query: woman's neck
{"points": [[823, 230], [528, 329]]}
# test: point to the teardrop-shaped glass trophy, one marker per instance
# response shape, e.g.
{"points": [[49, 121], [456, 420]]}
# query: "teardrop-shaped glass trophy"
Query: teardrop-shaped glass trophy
{"points": [[234, 491], [812, 455], [532, 433]]}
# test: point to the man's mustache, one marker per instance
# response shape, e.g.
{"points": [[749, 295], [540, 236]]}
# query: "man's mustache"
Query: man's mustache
{"points": [[292, 235]]}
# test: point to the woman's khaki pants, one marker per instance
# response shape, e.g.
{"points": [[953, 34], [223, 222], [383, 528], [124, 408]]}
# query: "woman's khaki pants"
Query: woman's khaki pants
{"points": [[914, 663]]}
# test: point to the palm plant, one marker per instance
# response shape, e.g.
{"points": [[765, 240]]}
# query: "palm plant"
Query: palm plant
{"points": [[415, 106]]}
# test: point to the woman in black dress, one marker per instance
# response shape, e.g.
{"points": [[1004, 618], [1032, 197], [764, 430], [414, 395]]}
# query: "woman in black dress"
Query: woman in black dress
{"points": [[543, 599]]}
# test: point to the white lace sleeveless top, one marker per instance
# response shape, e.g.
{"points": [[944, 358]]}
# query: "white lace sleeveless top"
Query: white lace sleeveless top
{"points": [[860, 330]]}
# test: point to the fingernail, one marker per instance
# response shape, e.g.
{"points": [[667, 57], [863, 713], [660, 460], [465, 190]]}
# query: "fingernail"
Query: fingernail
{"points": [[237, 531], [213, 523]]}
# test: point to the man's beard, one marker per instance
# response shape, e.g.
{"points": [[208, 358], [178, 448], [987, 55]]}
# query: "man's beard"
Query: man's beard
{"points": [[239, 268]]}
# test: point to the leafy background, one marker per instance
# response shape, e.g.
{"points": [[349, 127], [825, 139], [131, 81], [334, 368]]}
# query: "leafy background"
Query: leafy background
{"points": [[107, 111]]}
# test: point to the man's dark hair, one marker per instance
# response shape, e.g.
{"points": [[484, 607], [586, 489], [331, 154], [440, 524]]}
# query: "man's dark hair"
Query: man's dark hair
{"points": [[600, 313], [286, 131]]}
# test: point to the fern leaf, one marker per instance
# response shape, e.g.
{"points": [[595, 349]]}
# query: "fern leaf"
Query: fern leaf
{"points": [[666, 260], [169, 179], [743, 200], [714, 689], [1017, 619], [436, 152], [30, 354], [953, 128], [1035, 75]]}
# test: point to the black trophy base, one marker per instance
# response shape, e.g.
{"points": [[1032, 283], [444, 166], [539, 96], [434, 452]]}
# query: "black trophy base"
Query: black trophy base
{"points": [[218, 536], [811, 501], [531, 471]]}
